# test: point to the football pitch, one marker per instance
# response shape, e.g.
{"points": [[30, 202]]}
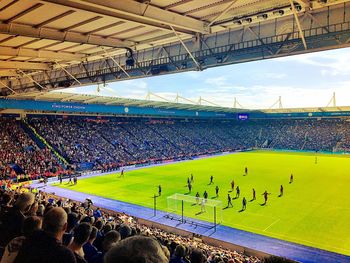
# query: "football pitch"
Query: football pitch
{"points": [[314, 210]]}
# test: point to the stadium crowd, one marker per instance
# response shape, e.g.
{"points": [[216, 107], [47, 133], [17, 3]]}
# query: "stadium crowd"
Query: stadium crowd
{"points": [[20, 156], [110, 143], [115, 142], [43, 228]]}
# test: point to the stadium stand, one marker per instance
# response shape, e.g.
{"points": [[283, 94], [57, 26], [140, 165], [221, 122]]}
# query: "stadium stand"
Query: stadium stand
{"points": [[21, 156], [111, 143], [34, 225], [106, 144]]}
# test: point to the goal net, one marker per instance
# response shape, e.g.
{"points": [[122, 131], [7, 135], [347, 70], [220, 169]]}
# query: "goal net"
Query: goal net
{"points": [[183, 207]]}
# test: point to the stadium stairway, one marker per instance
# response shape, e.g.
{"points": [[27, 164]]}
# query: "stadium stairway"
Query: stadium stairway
{"points": [[39, 140], [31, 134]]}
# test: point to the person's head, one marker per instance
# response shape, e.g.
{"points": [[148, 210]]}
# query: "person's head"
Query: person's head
{"points": [[137, 249], [55, 222], [24, 202], [180, 251], [7, 198], [40, 211], [99, 224], [31, 224], [82, 233], [72, 221], [197, 256], [93, 234], [110, 239], [125, 231], [106, 228]]}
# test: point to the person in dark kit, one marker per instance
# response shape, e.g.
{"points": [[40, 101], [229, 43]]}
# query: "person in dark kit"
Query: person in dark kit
{"points": [[189, 185], [281, 190], [315, 159], [70, 179], [211, 179], [192, 179], [246, 171], [159, 190], [265, 194], [197, 198], [291, 179], [122, 173], [229, 201], [60, 178], [238, 192], [244, 203], [205, 195], [188, 181], [217, 191], [232, 185], [75, 180]]}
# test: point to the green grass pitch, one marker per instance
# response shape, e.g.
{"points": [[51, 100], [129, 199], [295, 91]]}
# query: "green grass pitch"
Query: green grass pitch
{"points": [[314, 210]]}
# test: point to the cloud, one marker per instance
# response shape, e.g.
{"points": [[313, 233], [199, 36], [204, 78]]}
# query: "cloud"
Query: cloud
{"points": [[274, 75], [331, 63]]}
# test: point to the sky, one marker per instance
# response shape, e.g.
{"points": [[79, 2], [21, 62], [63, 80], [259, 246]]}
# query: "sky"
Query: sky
{"points": [[307, 80]]}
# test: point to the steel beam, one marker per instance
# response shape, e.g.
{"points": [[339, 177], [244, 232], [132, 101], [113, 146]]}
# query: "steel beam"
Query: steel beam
{"points": [[23, 65], [54, 34], [8, 73], [137, 12], [33, 53], [298, 24]]}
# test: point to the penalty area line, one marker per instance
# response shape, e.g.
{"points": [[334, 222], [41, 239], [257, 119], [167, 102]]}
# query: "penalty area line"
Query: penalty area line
{"points": [[271, 224]]}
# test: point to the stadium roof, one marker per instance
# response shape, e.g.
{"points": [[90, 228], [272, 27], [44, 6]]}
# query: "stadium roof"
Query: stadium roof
{"points": [[40, 36], [106, 100]]}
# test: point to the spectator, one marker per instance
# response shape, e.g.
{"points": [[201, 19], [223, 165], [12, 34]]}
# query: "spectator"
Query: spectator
{"points": [[30, 225], [72, 222], [81, 236], [197, 256], [179, 255], [45, 246], [110, 239], [89, 249], [135, 250], [12, 221]]}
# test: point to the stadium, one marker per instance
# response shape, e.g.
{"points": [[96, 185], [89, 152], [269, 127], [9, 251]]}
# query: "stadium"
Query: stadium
{"points": [[187, 165]]}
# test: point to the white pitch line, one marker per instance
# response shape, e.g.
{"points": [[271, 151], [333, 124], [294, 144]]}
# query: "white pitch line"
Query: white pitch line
{"points": [[272, 224]]}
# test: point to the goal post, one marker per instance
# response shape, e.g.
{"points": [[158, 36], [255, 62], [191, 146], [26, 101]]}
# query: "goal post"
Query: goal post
{"points": [[183, 207]]}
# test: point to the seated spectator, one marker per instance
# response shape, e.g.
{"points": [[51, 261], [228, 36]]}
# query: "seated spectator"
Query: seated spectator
{"points": [[179, 255], [12, 221], [125, 231], [45, 246], [30, 225], [81, 236], [197, 256], [135, 250], [72, 222], [110, 239], [89, 249]]}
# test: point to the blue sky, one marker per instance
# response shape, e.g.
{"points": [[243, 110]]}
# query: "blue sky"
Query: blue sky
{"points": [[303, 81]]}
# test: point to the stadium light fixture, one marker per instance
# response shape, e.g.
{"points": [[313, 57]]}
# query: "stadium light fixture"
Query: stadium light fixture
{"points": [[279, 12], [262, 16]]}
